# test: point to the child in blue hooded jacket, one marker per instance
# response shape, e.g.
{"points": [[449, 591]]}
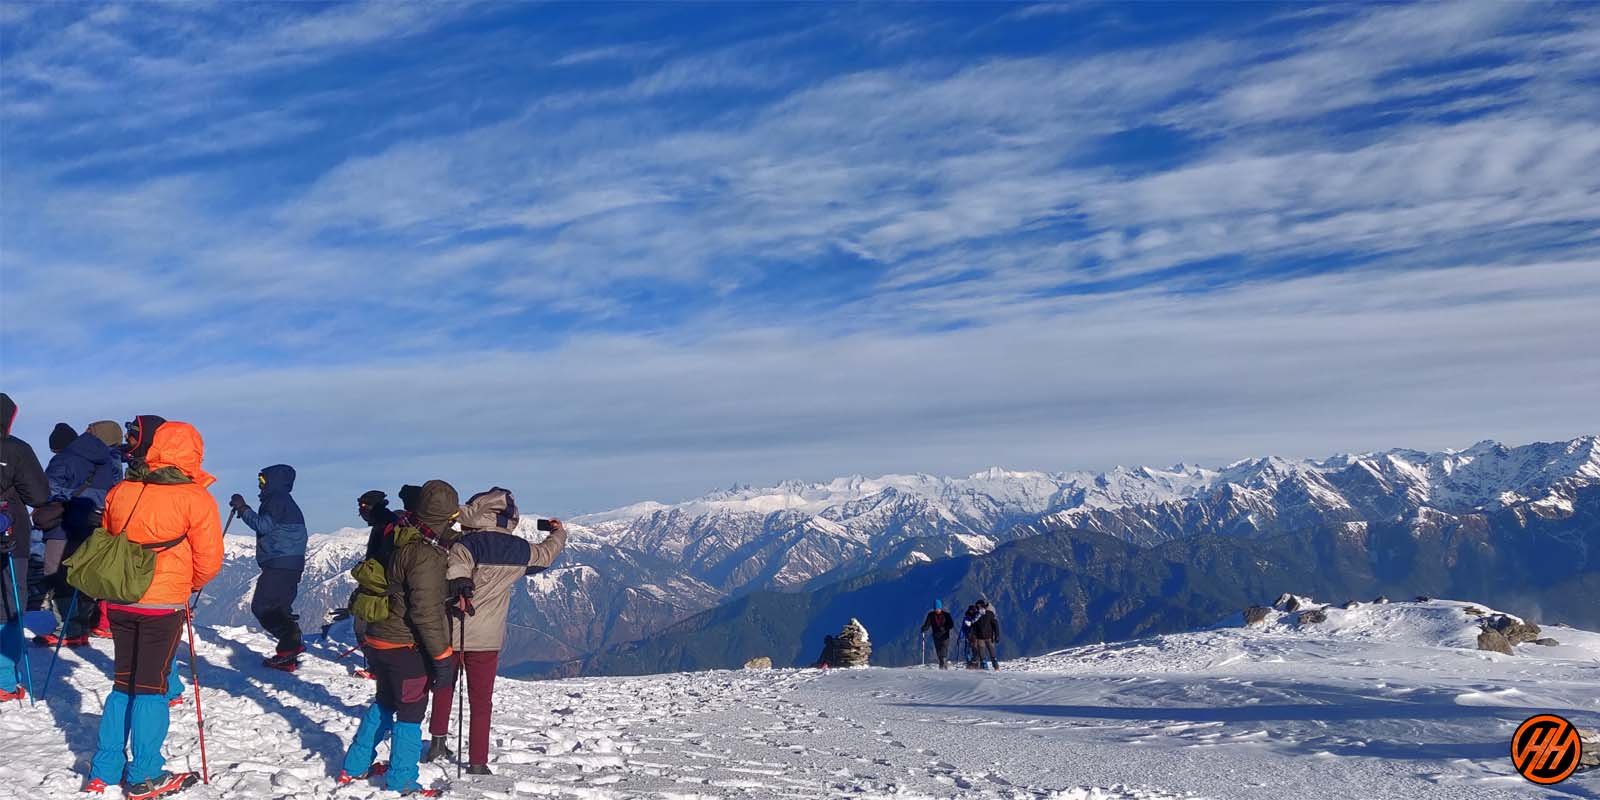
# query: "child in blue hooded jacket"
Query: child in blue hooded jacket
{"points": [[281, 553]]}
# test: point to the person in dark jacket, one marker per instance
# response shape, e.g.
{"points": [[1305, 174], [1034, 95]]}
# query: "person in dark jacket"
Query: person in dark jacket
{"points": [[80, 475], [410, 644], [986, 634], [968, 654], [373, 506], [940, 624], [281, 553], [22, 484]]}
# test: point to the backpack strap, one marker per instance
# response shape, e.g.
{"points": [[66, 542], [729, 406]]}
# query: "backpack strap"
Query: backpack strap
{"points": [[86, 481], [161, 547]]}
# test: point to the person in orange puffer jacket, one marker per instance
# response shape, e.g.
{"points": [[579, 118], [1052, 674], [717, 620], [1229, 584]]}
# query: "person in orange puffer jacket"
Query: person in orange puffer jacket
{"points": [[164, 506]]}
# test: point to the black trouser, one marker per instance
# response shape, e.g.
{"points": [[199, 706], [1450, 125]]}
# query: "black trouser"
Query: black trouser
{"points": [[273, 605], [402, 677], [144, 647], [941, 648]]}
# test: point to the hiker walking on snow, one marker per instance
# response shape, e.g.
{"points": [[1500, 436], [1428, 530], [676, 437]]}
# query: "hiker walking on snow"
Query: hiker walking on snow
{"points": [[281, 552], [486, 565], [407, 639], [164, 508], [986, 634], [80, 474], [22, 484], [939, 623], [970, 655]]}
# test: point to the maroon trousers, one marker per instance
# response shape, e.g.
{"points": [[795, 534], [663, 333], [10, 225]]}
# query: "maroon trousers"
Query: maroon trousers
{"points": [[479, 667]]}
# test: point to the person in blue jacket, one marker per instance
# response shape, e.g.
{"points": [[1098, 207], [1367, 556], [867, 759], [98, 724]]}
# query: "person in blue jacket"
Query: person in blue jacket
{"points": [[80, 474], [281, 552]]}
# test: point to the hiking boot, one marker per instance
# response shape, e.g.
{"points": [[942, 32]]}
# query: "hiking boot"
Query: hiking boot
{"points": [[438, 749], [286, 660], [478, 769], [364, 673], [162, 785], [52, 640], [101, 633], [95, 786], [17, 694], [373, 771], [175, 702]]}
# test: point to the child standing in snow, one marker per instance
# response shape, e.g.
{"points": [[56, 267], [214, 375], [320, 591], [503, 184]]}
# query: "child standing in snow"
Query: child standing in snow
{"points": [[485, 565]]}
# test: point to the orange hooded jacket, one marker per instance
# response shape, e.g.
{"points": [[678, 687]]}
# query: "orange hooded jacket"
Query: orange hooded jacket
{"points": [[160, 512]]}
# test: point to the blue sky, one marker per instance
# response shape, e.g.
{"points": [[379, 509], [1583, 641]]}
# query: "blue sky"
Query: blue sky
{"points": [[600, 254]]}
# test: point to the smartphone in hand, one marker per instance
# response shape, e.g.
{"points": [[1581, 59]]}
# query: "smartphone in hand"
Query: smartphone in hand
{"points": [[546, 525]]}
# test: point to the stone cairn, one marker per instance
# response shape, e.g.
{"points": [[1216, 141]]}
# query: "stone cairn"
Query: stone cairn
{"points": [[851, 648]]}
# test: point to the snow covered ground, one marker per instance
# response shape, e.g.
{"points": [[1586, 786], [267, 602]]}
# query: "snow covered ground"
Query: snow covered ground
{"points": [[1379, 702]]}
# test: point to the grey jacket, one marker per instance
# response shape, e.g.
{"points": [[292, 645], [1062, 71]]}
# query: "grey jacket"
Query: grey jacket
{"points": [[495, 560]]}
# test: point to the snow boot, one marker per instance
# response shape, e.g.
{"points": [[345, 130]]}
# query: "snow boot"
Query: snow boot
{"points": [[362, 672], [286, 660], [478, 769], [373, 771], [52, 640], [166, 783], [438, 748], [95, 786], [17, 694]]}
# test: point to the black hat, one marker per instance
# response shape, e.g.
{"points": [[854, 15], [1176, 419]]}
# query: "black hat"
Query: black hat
{"points": [[8, 413], [61, 436], [373, 499], [409, 495]]}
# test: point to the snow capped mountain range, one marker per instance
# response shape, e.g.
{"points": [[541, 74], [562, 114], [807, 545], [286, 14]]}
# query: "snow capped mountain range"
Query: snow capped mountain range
{"points": [[633, 571]]}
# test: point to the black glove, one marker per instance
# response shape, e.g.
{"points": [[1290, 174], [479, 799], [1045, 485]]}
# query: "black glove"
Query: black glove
{"points": [[460, 605], [444, 671], [238, 504], [49, 515], [8, 543]]}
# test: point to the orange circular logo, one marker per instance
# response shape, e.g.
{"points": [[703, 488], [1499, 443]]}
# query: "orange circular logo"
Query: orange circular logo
{"points": [[1546, 749]]}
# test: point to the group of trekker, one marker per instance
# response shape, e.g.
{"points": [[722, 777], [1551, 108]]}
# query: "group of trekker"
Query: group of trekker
{"points": [[979, 634], [129, 535]]}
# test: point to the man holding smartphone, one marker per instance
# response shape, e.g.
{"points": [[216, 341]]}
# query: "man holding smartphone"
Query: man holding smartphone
{"points": [[485, 565]]}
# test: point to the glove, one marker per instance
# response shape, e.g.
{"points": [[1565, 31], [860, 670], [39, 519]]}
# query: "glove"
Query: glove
{"points": [[238, 504], [49, 515], [444, 671], [8, 542], [460, 605]]}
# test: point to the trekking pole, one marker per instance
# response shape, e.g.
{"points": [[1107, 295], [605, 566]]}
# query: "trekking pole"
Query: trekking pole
{"points": [[225, 525], [194, 672], [16, 605], [461, 682], [922, 645], [346, 654], [72, 610]]}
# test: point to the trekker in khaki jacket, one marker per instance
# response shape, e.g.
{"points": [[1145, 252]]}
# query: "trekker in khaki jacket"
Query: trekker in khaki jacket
{"points": [[485, 565]]}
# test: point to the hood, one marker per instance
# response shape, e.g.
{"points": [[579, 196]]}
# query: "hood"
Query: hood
{"points": [[61, 436], [438, 504], [89, 448], [279, 478], [178, 444], [494, 510], [107, 431], [141, 432], [408, 497], [8, 413]]}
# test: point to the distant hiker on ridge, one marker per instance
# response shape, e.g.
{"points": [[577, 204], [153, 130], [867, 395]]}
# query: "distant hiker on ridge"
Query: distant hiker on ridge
{"points": [[486, 564], [281, 552], [940, 624], [968, 652], [986, 633]]}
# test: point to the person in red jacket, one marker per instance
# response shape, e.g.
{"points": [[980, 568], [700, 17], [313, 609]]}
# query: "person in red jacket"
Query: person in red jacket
{"points": [[163, 506]]}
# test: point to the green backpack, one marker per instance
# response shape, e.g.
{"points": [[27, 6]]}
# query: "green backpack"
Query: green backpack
{"points": [[370, 603], [107, 566]]}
